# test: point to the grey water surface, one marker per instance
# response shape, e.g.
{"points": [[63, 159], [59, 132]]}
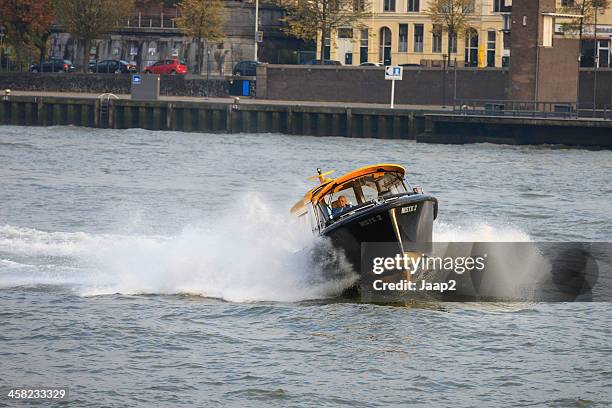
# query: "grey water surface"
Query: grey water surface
{"points": [[142, 268]]}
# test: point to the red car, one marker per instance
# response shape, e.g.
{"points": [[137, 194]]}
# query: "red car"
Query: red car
{"points": [[167, 67]]}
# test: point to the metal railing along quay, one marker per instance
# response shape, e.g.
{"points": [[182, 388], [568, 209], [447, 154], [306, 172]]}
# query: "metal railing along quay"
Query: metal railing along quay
{"points": [[513, 108], [608, 112]]}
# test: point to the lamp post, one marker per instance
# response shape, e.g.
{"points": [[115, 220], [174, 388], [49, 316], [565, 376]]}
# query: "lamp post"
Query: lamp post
{"points": [[207, 69], [595, 61], [444, 80], [256, 28], [2, 35]]}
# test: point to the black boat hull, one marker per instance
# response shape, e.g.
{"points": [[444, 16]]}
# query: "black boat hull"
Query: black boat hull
{"points": [[401, 220]]}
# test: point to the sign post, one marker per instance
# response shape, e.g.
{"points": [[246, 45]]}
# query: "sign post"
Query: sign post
{"points": [[393, 73]]}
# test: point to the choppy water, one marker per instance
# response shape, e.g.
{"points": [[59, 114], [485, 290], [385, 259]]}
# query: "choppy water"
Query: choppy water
{"points": [[157, 268]]}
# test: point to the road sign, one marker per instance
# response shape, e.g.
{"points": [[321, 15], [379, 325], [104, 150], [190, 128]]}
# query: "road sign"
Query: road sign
{"points": [[259, 35], [136, 79], [393, 73]]}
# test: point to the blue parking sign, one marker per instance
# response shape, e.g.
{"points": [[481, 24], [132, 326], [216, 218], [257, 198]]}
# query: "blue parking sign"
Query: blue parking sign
{"points": [[136, 79]]}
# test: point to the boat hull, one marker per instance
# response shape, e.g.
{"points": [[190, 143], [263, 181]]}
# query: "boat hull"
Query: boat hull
{"points": [[401, 220]]}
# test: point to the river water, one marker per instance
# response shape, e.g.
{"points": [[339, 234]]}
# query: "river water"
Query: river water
{"points": [[142, 268]]}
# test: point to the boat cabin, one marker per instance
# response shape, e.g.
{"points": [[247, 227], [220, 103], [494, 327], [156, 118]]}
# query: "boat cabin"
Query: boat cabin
{"points": [[349, 194]]}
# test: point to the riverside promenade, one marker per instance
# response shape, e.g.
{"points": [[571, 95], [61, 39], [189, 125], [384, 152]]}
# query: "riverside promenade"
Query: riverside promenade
{"points": [[423, 123]]}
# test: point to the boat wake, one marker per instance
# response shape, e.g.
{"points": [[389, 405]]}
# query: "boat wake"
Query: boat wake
{"points": [[252, 253]]}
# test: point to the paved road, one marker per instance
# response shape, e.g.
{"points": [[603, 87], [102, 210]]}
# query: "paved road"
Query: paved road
{"points": [[244, 101]]}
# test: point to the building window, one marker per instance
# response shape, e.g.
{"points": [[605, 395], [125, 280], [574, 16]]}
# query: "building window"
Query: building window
{"points": [[470, 6], [603, 53], [413, 6], [471, 48], [567, 3], [384, 50], [507, 21], [452, 41], [491, 37], [363, 46], [403, 38], [327, 48], [389, 5], [497, 5], [345, 33], [359, 5], [418, 38], [348, 58], [436, 41]]}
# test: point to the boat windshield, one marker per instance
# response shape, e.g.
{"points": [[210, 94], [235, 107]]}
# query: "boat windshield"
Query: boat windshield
{"points": [[359, 191]]}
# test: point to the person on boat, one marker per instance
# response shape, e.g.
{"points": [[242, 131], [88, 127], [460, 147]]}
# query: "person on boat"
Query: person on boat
{"points": [[341, 206]]}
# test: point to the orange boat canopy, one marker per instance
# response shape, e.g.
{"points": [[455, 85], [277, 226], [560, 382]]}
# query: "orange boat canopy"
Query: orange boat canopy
{"points": [[333, 185]]}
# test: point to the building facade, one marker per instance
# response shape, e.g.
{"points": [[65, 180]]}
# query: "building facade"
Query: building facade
{"points": [[596, 50], [401, 32], [151, 35]]}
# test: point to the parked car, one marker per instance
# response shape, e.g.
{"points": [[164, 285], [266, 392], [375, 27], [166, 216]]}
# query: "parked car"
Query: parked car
{"points": [[245, 68], [53, 65], [112, 67], [370, 64], [325, 62], [409, 65], [167, 67]]}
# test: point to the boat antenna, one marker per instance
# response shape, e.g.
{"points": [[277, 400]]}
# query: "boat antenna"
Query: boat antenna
{"points": [[321, 176]]}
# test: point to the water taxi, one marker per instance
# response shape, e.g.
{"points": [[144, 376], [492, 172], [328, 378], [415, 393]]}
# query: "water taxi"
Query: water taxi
{"points": [[372, 204]]}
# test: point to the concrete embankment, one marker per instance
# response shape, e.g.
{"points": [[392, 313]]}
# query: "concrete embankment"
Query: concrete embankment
{"points": [[218, 116], [324, 119], [462, 129]]}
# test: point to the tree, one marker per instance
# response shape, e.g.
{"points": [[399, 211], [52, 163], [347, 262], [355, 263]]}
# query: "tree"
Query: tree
{"points": [[312, 19], [87, 20], [24, 22], [586, 9], [203, 21], [451, 17]]}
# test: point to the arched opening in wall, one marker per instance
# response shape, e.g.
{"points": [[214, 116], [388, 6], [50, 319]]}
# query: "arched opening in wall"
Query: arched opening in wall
{"points": [[471, 48], [384, 53]]}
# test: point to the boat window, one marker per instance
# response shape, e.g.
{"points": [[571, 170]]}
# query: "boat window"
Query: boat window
{"points": [[370, 187], [359, 191]]}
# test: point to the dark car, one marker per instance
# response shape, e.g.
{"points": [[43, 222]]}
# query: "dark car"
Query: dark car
{"points": [[112, 67], [245, 68], [53, 65], [325, 62], [167, 67]]}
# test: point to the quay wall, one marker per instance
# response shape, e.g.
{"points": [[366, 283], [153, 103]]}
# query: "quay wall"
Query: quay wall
{"points": [[419, 86], [462, 129], [382, 123], [170, 85], [212, 117]]}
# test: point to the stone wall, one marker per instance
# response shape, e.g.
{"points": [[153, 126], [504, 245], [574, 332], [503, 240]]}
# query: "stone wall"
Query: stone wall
{"points": [[604, 88], [101, 83], [420, 86]]}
